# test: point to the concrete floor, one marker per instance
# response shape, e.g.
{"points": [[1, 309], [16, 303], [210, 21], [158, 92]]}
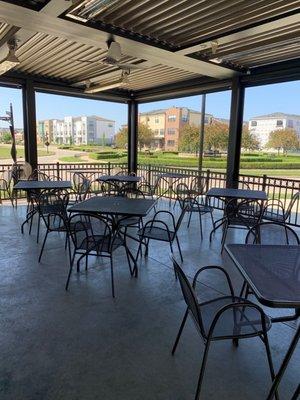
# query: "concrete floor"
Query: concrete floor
{"points": [[84, 345]]}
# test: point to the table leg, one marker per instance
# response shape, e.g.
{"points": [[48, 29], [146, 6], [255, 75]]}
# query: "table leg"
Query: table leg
{"points": [[284, 364]]}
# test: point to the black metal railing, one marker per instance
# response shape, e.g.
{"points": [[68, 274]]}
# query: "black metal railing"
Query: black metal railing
{"points": [[276, 188]]}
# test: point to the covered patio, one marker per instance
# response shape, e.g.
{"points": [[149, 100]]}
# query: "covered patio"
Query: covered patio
{"points": [[82, 343]]}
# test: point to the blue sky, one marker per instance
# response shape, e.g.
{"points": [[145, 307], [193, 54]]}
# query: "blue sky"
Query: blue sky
{"points": [[283, 97]]}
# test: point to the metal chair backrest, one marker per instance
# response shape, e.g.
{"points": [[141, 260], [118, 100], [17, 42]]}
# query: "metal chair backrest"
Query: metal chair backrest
{"points": [[90, 232], [81, 183], [131, 193], [38, 175], [189, 296], [272, 233], [51, 205], [289, 209], [246, 212], [198, 184]]}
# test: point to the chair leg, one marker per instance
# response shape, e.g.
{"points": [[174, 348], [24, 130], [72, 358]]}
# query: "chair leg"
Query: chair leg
{"points": [[296, 395], [38, 229], [112, 278], [86, 261], [224, 237], [70, 270], [179, 248], [44, 242], [190, 216], [202, 370], [200, 221], [270, 361], [180, 331]]}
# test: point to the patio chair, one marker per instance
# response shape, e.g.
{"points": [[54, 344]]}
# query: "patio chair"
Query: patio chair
{"points": [[81, 188], [275, 211], [6, 191], [39, 176], [160, 230], [269, 232], [194, 204], [243, 214], [93, 235], [52, 209], [222, 318], [148, 188]]}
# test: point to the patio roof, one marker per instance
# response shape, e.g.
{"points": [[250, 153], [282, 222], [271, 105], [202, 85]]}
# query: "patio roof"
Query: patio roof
{"points": [[181, 44]]}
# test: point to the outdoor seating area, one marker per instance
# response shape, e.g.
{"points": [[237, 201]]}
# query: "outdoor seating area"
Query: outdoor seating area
{"points": [[145, 279]]}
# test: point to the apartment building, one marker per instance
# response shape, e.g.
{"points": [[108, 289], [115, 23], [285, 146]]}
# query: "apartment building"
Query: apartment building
{"points": [[78, 130], [262, 125], [167, 124]]}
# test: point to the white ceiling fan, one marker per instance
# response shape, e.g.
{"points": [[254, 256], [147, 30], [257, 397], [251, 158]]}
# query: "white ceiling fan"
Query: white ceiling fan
{"points": [[113, 57]]}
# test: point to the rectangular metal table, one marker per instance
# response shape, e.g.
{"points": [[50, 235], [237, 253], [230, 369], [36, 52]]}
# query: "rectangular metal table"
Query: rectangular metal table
{"points": [[273, 273], [115, 206], [42, 185], [245, 194], [119, 178]]}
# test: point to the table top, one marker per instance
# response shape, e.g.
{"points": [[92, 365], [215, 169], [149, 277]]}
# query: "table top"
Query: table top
{"points": [[119, 178], [32, 185], [172, 175], [246, 194], [114, 205], [272, 271]]}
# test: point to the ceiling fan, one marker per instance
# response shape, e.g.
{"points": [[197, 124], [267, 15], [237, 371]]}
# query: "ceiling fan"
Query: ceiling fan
{"points": [[113, 57]]}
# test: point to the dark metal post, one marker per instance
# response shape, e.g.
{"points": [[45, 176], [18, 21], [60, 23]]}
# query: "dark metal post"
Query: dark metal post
{"points": [[201, 135], [29, 115], [235, 133], [132, 135]]}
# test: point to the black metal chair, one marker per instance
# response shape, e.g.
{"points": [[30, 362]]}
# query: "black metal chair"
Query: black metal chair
{"points": [[192, 204], [269, 232], [223, 318], [38, 175], [52, 209], [275, 210], [93, 235], [243, 214], [6, 191], [81, 187], [161, 230]]}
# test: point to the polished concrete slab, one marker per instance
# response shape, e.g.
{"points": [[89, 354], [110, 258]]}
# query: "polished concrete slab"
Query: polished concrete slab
{"points": [[83, 344]]}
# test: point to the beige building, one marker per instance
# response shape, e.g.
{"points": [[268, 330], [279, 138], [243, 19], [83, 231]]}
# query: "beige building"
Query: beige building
{"points": [[167, 124]]}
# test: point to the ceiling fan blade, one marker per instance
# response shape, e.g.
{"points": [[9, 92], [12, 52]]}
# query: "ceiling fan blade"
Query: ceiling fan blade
{"points": [[114, 51], [130, 66]]}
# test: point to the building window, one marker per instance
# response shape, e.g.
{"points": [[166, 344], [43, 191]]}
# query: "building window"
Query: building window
{"points": [[156, 131], [279, 122], [253, 123], [156, 120], [161, 132], [290, 123], [171, 131], [171, 142], [172, 117], [184, 118], [110, 125]]}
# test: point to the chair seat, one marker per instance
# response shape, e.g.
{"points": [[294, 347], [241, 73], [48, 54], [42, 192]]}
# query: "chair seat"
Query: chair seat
{"points": [[273, 216], [125, 222], [203, 209], [235, 322], [100, 244], [156, 233]]}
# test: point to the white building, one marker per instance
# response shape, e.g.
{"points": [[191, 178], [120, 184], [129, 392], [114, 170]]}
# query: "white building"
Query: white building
{"points": [[262, 125], [83, 130]]}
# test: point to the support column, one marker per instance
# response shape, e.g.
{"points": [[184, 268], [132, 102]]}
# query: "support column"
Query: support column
{"points": [[29, 117], [235, 133], [132, 135]]}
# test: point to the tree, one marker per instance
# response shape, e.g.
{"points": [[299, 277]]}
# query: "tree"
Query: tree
{"points": [[284, 139], [249, 141], [6, 137], [121, 138], [145, 136], [189, 138], [216, 136]]}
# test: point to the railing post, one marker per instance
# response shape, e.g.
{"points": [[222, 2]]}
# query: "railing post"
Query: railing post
{"points": [[207, 179], [264, 182], [57, 170], [108, 167], [149, 174]]}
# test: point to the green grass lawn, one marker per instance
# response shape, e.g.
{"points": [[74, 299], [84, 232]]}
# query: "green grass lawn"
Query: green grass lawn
{"points": [[5, 152]]}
